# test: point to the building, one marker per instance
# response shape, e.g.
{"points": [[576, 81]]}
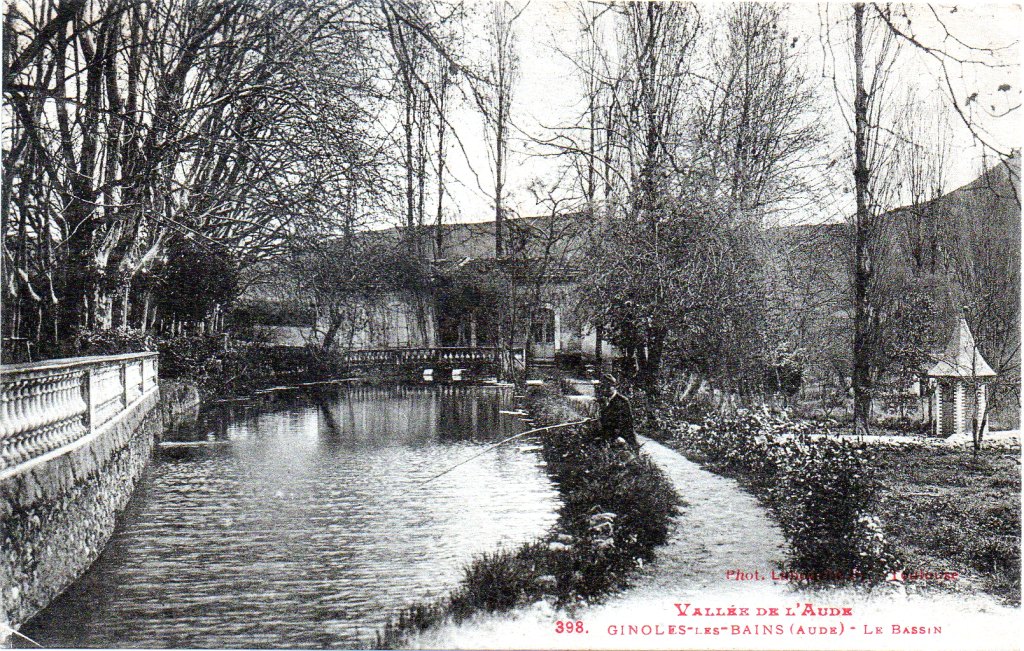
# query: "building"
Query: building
{"points": [[533, 288], [960, 378]]}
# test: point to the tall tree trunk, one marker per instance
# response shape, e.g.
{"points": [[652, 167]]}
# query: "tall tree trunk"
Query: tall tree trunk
{"points": [[410, 170], [441, 117], [862, 235], [499, 180], [122, 304]]}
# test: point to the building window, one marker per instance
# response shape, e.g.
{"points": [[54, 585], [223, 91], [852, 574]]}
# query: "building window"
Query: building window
{"points": [[543, 328]]}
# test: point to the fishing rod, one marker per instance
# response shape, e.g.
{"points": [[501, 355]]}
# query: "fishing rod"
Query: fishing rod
{"points": [[8, 629], [511, 438]]}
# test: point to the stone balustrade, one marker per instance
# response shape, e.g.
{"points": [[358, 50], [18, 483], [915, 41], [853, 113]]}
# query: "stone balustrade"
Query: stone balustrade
{"points": [[417, 356], [449, 357], [50, 407]]}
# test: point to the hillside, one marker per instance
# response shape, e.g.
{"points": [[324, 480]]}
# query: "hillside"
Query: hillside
{"points": [[959, 252]]}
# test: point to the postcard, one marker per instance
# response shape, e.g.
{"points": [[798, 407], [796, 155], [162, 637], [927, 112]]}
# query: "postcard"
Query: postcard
{"points": [[510, 324]]}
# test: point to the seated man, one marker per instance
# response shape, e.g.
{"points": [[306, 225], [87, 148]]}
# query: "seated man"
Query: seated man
{"points": [[617, 416]]}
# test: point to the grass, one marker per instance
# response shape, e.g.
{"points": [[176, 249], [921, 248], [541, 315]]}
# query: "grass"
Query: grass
{"points": [[947, 509], [616, 507]]}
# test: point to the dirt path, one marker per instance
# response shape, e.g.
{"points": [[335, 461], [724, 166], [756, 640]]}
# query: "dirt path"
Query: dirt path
{"points": [[724, 528], [721, 528]]}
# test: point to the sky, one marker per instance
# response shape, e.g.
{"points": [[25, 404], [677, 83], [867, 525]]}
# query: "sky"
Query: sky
{"points": [[548, 95]]}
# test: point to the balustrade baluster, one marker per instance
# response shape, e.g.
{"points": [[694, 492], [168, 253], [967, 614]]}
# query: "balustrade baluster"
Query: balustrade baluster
{"points": [[22, 407], [46, 404], [13, 411], [30, 401], [122, 372], [54, 405], [5, 417]]}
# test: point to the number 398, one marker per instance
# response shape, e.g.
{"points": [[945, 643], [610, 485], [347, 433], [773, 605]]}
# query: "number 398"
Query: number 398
{"points": [[569, 627]]}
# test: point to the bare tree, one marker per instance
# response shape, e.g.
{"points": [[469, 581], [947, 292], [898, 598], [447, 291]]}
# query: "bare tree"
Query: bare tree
{"points": [[874, 55], [445, 82], [411, 58], [982, 256], [496, 103], [924, 168], [952, 52], [756, 132], [700, 156], [755, 123], [652, 79], [879, 32], [146, 125]]}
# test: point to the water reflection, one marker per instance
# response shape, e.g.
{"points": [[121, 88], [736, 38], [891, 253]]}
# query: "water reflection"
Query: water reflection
{"points": [[306, 524]]}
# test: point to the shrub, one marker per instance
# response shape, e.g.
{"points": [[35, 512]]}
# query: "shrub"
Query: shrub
{"points": [[193, 279], [904, 424], [606, 480], [114, 341], [573, 362], [240, 368], [821, 489], [189, 356], [499, 580], [696, 409], [566, 386]]}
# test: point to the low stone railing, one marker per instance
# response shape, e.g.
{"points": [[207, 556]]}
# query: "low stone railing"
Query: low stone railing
{"points": [[416, 356], [449, 357], [48, 408]]}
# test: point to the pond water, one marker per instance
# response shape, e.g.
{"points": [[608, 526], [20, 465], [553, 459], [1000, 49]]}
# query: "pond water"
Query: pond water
{"points": [[305, 523]]}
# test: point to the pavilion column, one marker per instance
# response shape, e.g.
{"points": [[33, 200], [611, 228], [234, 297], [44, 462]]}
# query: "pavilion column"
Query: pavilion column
{"points": [[558, 330], [958, 407], [982, 402], [937, 412], [922, 400]]}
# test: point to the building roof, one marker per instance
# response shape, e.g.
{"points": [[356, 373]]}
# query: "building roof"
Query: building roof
{"points": [[961, 357]]}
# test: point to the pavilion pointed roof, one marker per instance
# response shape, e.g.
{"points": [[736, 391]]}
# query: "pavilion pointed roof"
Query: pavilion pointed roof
{"points": [[961, 357]]}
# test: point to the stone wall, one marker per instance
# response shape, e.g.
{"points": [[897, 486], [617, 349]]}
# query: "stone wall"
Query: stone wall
{"points": [[179, 403], [56, 517]]}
